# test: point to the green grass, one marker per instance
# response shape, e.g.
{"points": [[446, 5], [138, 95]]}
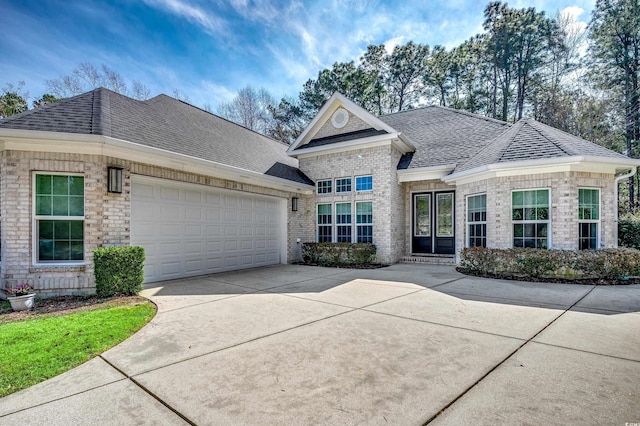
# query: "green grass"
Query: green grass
{"points": [[35, 350]]}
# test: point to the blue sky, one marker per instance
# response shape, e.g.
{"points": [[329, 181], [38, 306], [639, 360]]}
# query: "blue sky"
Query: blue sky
{"points": [[208, 49]]}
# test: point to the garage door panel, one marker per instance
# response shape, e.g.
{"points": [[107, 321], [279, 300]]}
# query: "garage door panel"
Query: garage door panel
{"points": [[188, 229]]}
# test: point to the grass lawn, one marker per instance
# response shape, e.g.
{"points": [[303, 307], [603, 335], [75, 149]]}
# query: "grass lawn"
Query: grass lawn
{"points": [[34, 350]]}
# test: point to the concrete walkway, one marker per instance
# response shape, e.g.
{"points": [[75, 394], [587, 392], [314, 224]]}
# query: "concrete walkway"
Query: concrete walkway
{"points": [[407, 344]]}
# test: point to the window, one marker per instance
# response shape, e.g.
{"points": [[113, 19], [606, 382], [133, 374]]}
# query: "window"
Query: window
{"points": [[444, 211], [530, 216], [422, 215], [364, 221], [59, 218], [343, 185], [364, 183], [343, 222], [324, 223], [588, 217], [324, 186], [477, 220]]}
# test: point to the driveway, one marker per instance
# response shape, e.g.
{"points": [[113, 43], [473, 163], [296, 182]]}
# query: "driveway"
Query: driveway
{"points": [[407, 344]]}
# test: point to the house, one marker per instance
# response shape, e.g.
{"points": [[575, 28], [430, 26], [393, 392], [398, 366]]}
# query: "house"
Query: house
{"points": [[434, 180], [204, 195], [199, 193]]}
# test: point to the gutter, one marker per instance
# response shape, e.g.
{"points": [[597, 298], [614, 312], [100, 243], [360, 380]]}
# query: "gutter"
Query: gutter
{"points": [[617, 183]]}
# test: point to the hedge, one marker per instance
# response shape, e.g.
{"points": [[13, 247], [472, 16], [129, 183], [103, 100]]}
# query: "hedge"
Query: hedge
{"points": [[629, 232], [337, 254], [118, 270], [609, 264]]}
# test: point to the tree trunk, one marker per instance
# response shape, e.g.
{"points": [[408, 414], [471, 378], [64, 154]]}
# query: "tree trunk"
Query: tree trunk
{"points": [[629, 130]]}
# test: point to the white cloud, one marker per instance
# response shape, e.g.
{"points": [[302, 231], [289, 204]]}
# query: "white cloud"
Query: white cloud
{"points": [[211, 23]]}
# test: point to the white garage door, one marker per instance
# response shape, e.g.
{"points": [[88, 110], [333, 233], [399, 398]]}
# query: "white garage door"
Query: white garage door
{"points": [[189, 229]]}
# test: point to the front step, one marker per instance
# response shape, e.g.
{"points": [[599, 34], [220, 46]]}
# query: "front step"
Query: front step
{"points": [[430, 259]]}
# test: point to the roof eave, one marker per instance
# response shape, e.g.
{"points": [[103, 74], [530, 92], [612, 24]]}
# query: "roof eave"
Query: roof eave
{"points": [[27, 140], [425, 173], [586, 163], [394, 139]]}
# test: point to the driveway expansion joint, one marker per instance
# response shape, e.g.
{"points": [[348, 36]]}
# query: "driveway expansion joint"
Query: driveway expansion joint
{"points": [[495, 367], [151, 394]]}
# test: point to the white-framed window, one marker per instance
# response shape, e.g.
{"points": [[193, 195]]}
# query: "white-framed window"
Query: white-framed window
{"points": [[324, 186], [530, 216], [364, 222], [343, 222], [324, 223], [343, 185], [58, 218], [477, 220], [364, 183], [588, 218]]}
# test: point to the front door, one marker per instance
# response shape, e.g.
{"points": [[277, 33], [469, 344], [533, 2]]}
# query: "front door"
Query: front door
{"points": [[432, 223]]}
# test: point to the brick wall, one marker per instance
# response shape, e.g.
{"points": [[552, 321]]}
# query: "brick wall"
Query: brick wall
{"points": [[107, 215], [564, 207], [388, 209]]}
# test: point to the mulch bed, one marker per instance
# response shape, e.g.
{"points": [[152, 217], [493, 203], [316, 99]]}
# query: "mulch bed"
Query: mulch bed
{"points": [[65, 305], [344, 265], [580, 281]]}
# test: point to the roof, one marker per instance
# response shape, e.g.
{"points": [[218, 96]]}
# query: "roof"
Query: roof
{"points": [[359, 134], [529, 139], [443, 135], [165, 123]]}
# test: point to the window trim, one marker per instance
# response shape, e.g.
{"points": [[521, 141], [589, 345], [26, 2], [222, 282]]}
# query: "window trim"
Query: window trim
{"points": [[349, 224], [350, 185], [330, 191], [35, 243], [472, 222], [453, 217], [596, 221], [363, 190], [355, 228], [549, 221], [318, 225]]}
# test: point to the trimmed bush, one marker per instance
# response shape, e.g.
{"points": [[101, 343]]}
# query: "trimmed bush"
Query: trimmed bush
{"points": [[629, 232], [609, 264], [118, 270], [339, 254]]}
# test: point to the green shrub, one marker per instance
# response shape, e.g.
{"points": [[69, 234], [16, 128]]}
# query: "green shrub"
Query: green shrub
{"points": [[629, 232], [118, 270], [607, 264], [337, 254]]}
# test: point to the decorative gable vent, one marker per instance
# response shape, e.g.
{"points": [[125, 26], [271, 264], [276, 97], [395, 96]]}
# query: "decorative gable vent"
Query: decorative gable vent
{"points": [[340, 118]]}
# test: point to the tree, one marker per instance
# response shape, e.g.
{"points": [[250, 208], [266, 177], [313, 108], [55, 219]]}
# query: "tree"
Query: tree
{"points": [[407, 67], [615, 51], [12, 100], [289, 120], [87, 77], [517, 43], [438, 73], [250, 108], [46, 99]]}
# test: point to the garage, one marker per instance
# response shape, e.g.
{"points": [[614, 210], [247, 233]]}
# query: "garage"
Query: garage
{"points": [[188, 229]]}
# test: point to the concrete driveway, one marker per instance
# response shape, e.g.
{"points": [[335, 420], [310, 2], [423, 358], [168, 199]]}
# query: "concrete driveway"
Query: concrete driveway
{"points": [[407, 344]]}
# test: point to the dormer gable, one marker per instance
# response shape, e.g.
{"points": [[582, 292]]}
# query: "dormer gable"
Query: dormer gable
{"points": [[341, 124]]}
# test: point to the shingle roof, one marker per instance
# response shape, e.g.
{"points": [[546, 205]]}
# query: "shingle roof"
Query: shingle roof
{"points": [[443, 135], [359, 134], [165, 123], [529, 139]]}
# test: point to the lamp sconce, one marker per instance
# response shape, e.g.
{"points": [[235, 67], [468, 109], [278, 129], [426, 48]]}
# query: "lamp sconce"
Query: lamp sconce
{"points": [[294, 204], [114, 181]]}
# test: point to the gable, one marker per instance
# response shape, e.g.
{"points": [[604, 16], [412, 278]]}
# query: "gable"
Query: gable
{"points": [[341, 124]]}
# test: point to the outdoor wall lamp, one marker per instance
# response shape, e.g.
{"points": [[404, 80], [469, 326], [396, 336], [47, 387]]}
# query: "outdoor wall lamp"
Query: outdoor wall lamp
{"points": [[294, 204], [114, 183]]}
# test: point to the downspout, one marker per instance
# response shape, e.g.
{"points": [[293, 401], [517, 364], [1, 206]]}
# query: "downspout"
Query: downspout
{"points": [[617, 182]]}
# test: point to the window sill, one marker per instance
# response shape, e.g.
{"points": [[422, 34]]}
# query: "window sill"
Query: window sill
{"points": [[57, 267]]}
